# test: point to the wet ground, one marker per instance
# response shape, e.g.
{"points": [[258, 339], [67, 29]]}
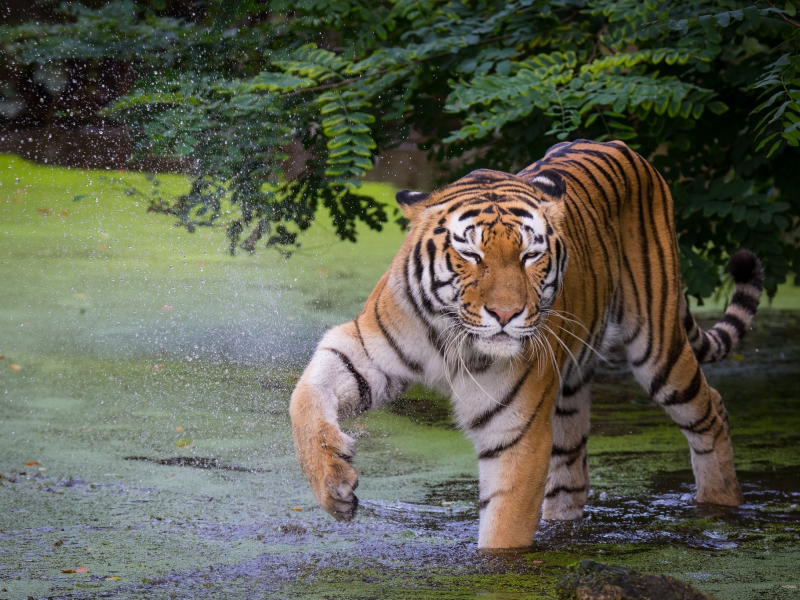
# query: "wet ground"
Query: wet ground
{"points": [[144, 437]]}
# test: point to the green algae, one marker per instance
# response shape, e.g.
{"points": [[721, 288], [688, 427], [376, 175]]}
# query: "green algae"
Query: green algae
{"points": [[127, 329]]}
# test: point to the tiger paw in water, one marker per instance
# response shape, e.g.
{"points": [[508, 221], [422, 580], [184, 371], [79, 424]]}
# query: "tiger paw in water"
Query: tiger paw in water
{"points": [[325, 458]]}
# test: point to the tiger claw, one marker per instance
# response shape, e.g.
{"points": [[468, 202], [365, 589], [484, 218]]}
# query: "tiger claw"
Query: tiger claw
{"points": [[345, 510], [340, 501]]}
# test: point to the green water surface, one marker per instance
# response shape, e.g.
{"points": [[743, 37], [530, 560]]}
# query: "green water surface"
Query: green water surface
{"points": [[147, 373]]}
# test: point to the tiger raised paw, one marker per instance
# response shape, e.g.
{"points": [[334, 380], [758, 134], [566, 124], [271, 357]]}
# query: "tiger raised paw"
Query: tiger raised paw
{"points": [[502, 295]]}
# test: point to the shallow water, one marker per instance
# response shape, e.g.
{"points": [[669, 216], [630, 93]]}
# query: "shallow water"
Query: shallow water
{"points": [[152, 392]]}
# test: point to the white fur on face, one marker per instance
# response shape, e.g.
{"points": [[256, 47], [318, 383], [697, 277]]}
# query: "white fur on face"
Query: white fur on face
{"points": [[466, 236], [534, 238], [498, 346]]}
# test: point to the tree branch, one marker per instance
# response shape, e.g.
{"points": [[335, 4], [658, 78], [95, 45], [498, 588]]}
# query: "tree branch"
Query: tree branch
{"points": [[794, 24]]}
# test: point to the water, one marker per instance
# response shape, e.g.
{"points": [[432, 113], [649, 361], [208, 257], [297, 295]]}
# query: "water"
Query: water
{"points": [[152, 387]]}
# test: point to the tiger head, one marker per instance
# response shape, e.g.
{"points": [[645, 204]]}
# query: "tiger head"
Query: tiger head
{"points": [[488, 256]]}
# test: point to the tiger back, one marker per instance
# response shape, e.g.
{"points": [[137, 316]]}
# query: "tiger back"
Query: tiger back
{"points": [[503, 295]]}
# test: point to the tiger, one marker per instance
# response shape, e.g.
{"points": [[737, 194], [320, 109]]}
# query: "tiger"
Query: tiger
{"points": [[505, 293]]}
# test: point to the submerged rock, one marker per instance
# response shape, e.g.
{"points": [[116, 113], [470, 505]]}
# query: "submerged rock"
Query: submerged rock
{"points": [[592, 580]]}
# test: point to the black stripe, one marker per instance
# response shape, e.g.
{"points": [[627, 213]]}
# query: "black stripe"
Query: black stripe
{"points": [[498, 450], [724, 339], [734, 322], [573, 453], [519, 212], [563, 488], [688, 394], [568, 391], [558, 451], [609, 159], [634, 288], [430, 246], [703, 430], [412, 366], [364, 390], [705, 345], [704, 452], [469, 214], [660, 379], [433, 337], [482, 420], [644, 248], [566, 412], [418, 273], [688, 319], [691, 426], [361, 338], [746, 301]]}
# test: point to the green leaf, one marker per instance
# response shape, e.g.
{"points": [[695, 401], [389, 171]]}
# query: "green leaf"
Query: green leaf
{"points": [[339, 141], [360, 117], [707, 22], [337, 129], [774, 148], [717, 107], [765, 140], [723, 19], [334, 120]]}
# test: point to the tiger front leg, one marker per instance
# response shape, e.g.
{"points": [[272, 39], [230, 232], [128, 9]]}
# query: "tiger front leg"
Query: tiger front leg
{"points": [[513, 475], [336, 383], [324, 453]]}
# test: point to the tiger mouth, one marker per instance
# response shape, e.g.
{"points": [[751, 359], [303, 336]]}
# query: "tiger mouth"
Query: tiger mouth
{"points": [[499, 345], [502, 336]]}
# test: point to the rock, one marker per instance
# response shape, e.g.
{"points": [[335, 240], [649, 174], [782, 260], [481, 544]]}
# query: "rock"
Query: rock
{"points": [[592, 580]]}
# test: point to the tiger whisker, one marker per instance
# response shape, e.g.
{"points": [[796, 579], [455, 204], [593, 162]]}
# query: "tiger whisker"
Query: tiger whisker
{"points": [[584, 342]]}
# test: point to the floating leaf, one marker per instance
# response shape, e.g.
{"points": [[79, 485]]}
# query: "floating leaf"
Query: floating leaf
{"points": [[81, 569], [31, 464], [16, 367], [184, 443]]}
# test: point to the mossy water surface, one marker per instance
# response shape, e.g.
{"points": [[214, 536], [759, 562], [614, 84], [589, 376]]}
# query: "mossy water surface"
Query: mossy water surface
{"points": [[148, 374]]}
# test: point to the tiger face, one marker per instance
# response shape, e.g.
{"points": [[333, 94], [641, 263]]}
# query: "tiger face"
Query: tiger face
{"points": [[495, 258]]}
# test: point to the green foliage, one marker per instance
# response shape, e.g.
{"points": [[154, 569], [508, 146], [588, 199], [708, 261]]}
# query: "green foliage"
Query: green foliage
{"points": [[282, 107], [782, 84]]}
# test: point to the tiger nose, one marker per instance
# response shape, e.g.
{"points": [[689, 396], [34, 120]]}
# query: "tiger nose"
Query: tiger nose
{"points": [[503, 315]]}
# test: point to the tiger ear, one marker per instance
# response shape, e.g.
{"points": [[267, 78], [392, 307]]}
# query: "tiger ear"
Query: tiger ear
{"points": [[551, 183], [554, 187], [412, 203]]}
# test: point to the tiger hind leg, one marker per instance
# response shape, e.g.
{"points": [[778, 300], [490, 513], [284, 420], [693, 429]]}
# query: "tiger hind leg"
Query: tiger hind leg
{"points": [[568, 473], [677, 384]]}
